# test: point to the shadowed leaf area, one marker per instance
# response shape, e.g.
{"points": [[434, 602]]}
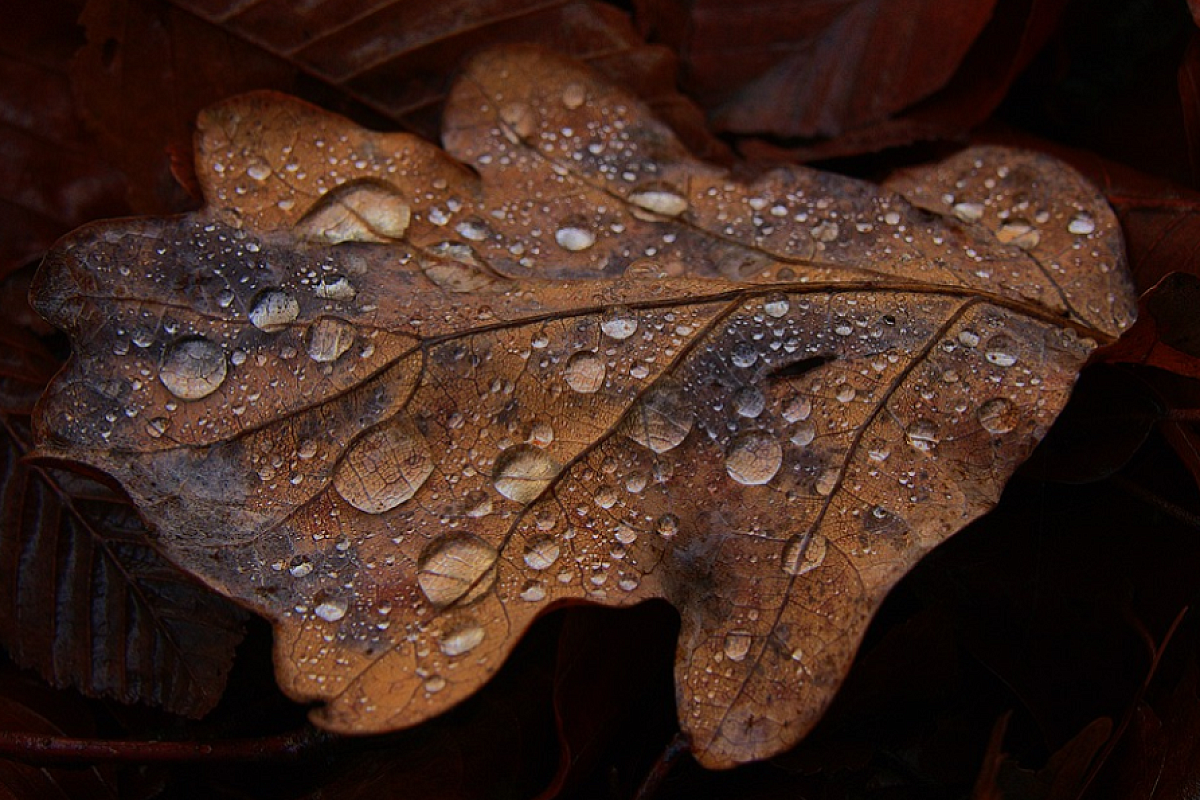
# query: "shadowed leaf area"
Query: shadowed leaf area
{"points": [[399, 407]]}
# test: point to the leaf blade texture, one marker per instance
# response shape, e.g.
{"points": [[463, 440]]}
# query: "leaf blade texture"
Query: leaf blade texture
{"points": [[400, 406]]}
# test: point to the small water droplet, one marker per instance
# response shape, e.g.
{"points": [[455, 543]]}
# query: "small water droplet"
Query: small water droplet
{"points": [[667, 525], [462, 638], [193, 369], [434, 684], [776, 305], [753, 458], [258, 171], [336, 288], [384, 468], [968, 212], [619, 323], [542, 552], [523, 472], [156, 427], [300, 567], [923, 435], [534, 592], [743, 354], [826, 482], [804, 435], [274, 310], [328, 339], [846, 393], [798, 408], [473, 228], [585, 372], [574, 238], [625, 534], [1081, 224], [737, 645], [998, 415], [456, 567], [520, 122], [968, 338], [574, 95], [331, 609], [804, 553]]}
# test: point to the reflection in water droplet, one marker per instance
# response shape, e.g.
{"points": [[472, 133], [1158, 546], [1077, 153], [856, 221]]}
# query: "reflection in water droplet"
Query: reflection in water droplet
{"points": [[454, 567], [541, 552], [584, 372], [661, 421], [574, 238], [523, 472], [328, 339], [274, 310], [619, 323], [1081, 224], [662, 201], [997, 415], [384, 468], [331, 609], [193, 368], [1019, 233], [753, 458], [804, 553], [923, 435], [776, 305], [737, 645], [462, 638], [1001, 351]]}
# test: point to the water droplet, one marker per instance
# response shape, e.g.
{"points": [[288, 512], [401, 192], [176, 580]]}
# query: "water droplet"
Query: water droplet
{"points": [[574, 238], [534, 591], [827, 481], [879, 521], [743, 354], [336, 288], [749, 402], [156, 427], [879, 450], [1001, 351], [625, 534], [258, 171], [846, 393], [968, 212], [1019, 233], [363, 211], [1081, 224], [434, 684], [458, 566], [585, 372], [804, 435], [737, 645], [520, 122], [329, 338], [667, 525], [619, 323], [753, 458], [662, 201], [193, 369], [274, 310], [661, 421], [300, 567], [797, 409], [462, 638], [541, 552], [968, 338], [574, 95], [776, 305], [804, 553], [384, 468], [473, 228], [923, 435], [998, 415], [523, 472], [331, 609]]}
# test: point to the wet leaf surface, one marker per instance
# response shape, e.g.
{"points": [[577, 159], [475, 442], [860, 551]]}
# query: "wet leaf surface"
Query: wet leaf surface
{"points": [[400, 406]]}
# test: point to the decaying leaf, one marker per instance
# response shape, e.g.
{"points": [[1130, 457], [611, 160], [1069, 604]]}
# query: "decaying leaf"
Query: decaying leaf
{"points": [[401, 406]]}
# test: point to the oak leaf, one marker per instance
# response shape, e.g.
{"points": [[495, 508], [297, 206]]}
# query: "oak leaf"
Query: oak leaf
{"points": [[401, 401]]}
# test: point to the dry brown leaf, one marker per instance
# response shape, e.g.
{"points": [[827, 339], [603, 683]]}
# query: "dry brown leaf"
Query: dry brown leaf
{"points": [[400, 406]]}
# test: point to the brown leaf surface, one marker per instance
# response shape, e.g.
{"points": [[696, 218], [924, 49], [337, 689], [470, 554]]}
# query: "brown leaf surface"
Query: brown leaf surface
{"points": [[400, 407]]}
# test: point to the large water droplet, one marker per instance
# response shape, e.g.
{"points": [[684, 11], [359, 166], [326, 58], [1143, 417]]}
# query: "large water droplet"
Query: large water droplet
{"points": [[753, 458], [923, 434], [968, 212], [329, 338], [458, 566], [461, 638], [193, 368], [776, 305], [1001, 350], [520, 122], [667, 525], [384, 468], [1081, 224], [574, 238], [331, 609], [797, 409], [574, 95], [804, 553], [661, 421], [749, 402], [541, 552], [584, 372], [363, 211], [274, 310], [619, 323], [998, 415], [737, 645], [523, 472], [336, 287], [1019, 233], [743, 354], [660, 200]]}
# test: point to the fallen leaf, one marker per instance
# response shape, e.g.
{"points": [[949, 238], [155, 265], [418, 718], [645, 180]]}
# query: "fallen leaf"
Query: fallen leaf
{"points": [[400, 406]]}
